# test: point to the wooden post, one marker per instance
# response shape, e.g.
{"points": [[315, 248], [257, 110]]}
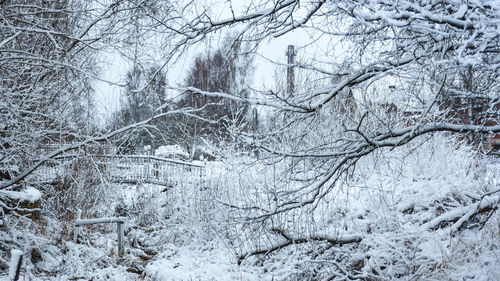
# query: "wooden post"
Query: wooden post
{"points": [[119, 228], [16, 260], [120, 232], [156, 166], [290, 76], [77, 228]]}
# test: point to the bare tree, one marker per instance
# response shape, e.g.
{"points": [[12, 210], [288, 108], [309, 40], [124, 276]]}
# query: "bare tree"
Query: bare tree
{"points": [[49, 62], [423, 49], [46, 92], [144, 94], [404, 41], [438, 53]]}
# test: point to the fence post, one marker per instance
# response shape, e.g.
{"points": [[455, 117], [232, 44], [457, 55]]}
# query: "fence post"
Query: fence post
{"points": [[120, 232], [77, 227], [16, 259]]}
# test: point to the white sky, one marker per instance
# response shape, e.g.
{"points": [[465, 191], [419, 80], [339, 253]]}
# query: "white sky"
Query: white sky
{"points": [[107, 96]]}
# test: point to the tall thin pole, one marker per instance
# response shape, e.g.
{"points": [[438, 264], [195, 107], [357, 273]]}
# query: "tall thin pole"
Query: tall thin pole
{"points": [[120, 231], [290, 75]]}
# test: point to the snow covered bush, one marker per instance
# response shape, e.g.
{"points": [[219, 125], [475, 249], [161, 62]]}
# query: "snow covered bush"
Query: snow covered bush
{"points": [[24, 202], [171, 151], [423, 211], [82, 186], [147, 206]]}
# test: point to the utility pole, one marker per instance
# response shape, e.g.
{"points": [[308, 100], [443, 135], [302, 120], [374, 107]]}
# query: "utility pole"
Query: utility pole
{"points": [[290, 83], [290, 75]]}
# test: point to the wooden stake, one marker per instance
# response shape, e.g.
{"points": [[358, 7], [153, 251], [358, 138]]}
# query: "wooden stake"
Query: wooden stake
{"points": [[120, 232], [77, 228], [16, 260]]}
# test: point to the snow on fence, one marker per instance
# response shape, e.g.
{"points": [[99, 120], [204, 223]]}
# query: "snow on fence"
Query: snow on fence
{"points": [[119, 228], [129, 169], [151, 169]]}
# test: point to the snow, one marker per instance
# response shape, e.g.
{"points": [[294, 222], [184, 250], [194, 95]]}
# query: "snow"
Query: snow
{"points": [[30, 194], [463, 214], [461, 11], [171, 151], [424, 210], [198, 261], [101, 220], [391, 211]]}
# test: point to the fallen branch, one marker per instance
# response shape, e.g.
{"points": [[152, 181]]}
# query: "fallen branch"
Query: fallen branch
{"points": [[338, 240], [459, 216]]}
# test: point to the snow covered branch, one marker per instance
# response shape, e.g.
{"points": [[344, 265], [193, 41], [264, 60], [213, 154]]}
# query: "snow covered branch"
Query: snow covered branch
{"points": [[459, 216], [87, 141], [334, 240]]}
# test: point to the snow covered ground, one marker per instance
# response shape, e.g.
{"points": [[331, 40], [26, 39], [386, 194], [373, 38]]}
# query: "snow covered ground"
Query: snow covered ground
{"points": [[199, 261], [401, 206]]}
